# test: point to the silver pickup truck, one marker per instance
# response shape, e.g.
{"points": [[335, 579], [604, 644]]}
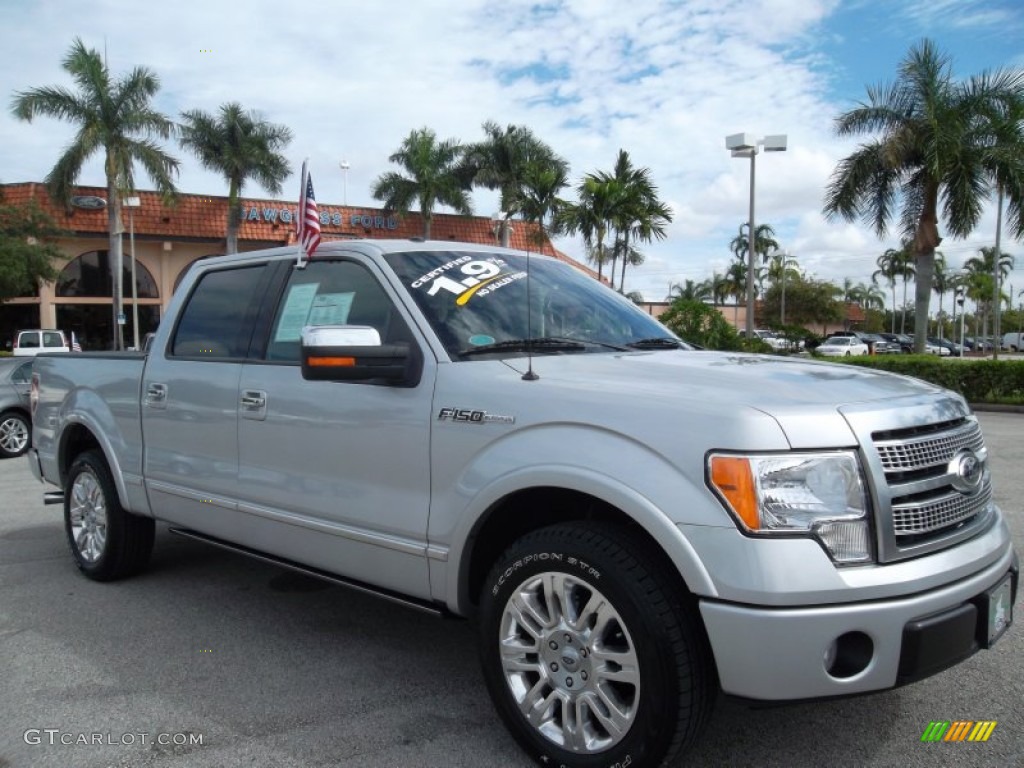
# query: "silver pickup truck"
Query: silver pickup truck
{"points": [[635, 525]]}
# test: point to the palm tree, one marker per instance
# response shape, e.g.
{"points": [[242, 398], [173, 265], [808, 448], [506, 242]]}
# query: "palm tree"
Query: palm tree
{"points": [[433, 178], [117, 117], [905, 265], [736, 286], [939, 143], [764, 242], [782, 269], [981, 277], [870, 296], [690, 290], [539, 201], [942, 283], [240, 146], [591, 215], [640, 215], [502, 161], [889, 267]]}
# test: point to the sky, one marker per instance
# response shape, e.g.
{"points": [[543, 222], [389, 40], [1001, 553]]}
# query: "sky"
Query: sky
{"points": [[665, 80]]}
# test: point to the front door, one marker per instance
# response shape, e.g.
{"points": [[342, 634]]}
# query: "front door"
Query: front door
{"points": [[336, 474]]}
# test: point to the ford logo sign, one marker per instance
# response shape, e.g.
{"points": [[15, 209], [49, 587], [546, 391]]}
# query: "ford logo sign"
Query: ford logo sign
{"points": [[966, 471], [88, 202]]}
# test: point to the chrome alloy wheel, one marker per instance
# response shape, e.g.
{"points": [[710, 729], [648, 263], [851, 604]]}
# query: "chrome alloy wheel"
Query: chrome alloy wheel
{"points": [[88, 515], [13, 435], [570, 662]]}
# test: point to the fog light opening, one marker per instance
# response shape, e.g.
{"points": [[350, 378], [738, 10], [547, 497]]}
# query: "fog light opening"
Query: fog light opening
{"points": [[849, 655]]}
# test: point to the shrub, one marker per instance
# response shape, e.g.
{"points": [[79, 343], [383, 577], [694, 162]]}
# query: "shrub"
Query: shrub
{"points": [[979, 381]]}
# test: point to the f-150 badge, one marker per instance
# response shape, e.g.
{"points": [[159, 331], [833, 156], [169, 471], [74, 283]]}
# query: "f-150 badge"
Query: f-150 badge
{"points": [[470, 416]]}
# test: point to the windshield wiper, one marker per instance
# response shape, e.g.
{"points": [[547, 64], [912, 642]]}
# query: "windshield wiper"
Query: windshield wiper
{"points": [[545, 344], [660, 342]]}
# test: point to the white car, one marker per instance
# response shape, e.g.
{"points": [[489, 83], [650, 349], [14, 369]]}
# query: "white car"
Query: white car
{"points": [[842, 346]]}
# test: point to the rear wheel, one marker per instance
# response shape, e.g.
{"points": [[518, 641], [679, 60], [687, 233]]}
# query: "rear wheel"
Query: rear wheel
{"points": [[106, 541], [591, 655], [15, 433]]}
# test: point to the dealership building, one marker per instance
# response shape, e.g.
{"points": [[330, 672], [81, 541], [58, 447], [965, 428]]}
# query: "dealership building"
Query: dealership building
{"points": [[170, 236]]}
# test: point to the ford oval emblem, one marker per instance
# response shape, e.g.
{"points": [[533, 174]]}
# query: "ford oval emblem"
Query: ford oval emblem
{"points": [[966, 470], [88, 202]]}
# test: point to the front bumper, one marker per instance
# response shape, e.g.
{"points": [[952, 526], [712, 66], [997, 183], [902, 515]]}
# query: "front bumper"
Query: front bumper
{"points": [[781, 654]]}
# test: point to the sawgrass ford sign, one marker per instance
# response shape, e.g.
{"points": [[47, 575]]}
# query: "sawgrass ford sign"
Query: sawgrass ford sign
{"points": [[328, 218]]}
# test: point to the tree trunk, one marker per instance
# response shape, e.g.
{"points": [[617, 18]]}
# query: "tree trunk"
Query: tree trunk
{"points": [[234, 218], [429, 220], [926, 240], [116, 258], [625, 258]]}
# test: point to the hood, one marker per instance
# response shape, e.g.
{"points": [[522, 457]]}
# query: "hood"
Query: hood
{"points": [[802, 396]]}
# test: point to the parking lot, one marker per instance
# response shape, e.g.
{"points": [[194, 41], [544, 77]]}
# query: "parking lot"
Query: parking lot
{"points": [[211, 659]]}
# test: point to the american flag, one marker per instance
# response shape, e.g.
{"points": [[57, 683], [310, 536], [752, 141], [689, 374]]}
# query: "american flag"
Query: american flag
{"points": [[308, 221], [75, 346]]}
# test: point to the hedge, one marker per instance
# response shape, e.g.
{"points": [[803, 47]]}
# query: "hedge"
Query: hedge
{"points": [[979, 381]]}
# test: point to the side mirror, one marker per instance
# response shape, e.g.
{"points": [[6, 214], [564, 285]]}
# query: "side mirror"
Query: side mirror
{"points": [[355, 353]]}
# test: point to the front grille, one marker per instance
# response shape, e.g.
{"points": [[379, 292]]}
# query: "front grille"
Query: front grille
{"points": [[929, 451], [951, 509], [920, 477]]}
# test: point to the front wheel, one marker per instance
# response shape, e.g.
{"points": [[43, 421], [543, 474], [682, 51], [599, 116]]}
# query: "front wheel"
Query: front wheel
{"points": [[590, 653], [107, 541]]}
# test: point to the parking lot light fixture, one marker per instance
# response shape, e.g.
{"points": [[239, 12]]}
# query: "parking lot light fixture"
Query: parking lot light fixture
{"points": [[747, 145]]}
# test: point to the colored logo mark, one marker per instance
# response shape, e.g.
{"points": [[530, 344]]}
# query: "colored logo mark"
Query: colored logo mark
{"points": [[206, 50], [958, 730]]}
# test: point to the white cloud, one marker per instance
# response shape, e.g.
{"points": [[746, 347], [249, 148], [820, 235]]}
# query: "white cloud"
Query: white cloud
{"points": [[664, 80]]}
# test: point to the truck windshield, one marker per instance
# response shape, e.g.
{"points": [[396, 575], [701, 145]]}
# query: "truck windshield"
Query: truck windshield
{"points": [[477, 305]]}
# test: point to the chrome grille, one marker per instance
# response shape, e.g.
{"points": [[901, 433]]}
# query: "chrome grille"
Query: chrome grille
{"points": [[921, 518], [931, 450]]}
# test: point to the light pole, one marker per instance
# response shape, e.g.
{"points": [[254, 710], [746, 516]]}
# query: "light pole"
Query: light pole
{"points": [[746, 145], [344, 165], [132, 203], [960, 301]]}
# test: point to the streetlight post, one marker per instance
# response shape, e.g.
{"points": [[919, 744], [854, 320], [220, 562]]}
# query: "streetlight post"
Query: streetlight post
{"points": [[963, 314], [344, 165], [132, 203], [746, 145]]}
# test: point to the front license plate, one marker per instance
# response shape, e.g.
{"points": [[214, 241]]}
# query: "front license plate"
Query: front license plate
{"points": [[1000, 609]]}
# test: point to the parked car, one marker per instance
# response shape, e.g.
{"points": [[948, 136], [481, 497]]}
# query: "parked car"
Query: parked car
{"points": [[935, 346], [904, 342], [954, 348], [15, 421], [768, 337], [1013, 342], [977, 344], [842, 346], [34, 341], [879, 344]]}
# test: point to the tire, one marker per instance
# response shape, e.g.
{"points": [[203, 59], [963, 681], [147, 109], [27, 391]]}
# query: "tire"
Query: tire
{"points": [[588, 710], [106, 541], [15, 434]]}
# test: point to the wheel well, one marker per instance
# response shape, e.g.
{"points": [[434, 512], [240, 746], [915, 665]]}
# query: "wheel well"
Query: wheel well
{"points": [[527, 510], [76, 439]]}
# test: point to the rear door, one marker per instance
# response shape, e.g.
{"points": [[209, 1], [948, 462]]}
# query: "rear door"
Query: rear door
{"points": [[190, 401], [337, 474]]}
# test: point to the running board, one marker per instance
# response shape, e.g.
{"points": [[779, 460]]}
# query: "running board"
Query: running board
{"points": [[358, 586], [53, 497]]}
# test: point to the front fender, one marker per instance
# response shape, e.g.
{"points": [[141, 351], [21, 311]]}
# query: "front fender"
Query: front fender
{"points": [[609, 466]]}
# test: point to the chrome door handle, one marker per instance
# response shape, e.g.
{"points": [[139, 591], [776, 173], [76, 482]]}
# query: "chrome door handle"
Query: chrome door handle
{"points": [[253, 400], [156, 395]]}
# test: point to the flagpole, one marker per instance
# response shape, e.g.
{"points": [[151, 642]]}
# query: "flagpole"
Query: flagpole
{"points": [[300, 260]]}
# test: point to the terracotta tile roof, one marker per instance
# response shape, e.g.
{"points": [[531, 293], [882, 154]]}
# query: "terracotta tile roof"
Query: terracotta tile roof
{"points": [[269, 222]]}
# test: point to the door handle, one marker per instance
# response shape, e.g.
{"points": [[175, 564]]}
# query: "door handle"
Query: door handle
{"points": [[253, 400], [156, 395]]}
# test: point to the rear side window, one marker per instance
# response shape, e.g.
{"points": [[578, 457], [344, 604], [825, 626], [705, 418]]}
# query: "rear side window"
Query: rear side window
{"points": [[217, 322], [53, 339], [22, 374], [29, 340]]}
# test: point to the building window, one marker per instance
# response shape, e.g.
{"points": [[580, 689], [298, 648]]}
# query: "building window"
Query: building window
{"points": [[89, 275]]}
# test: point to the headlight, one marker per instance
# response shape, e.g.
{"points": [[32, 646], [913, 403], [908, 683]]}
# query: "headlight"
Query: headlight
{"points": [[815, 494]]}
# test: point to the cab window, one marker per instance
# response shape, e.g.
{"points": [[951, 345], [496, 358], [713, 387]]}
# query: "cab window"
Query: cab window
{"points": [[331, 293]]}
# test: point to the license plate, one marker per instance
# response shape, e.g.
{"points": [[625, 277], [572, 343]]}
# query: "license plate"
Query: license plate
{"points": [[1000, 609]]}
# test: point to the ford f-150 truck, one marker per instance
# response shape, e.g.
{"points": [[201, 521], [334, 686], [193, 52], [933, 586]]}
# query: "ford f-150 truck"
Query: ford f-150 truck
{"points": [[635, 525]]}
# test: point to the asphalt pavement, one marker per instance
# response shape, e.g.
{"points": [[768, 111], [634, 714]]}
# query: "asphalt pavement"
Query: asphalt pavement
{"points": [[211, 660]]}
